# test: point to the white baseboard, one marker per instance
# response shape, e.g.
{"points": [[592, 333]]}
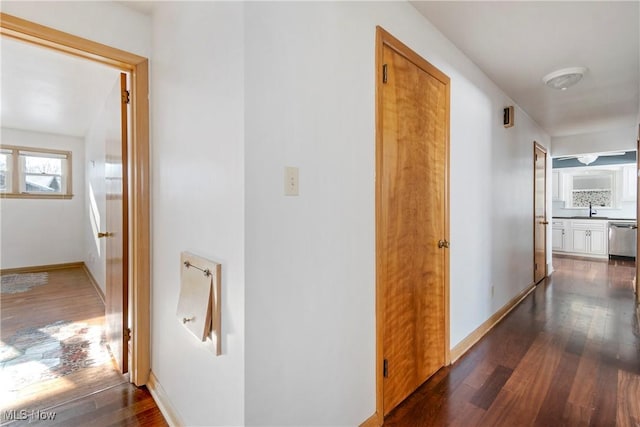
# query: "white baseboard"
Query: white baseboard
{"points": [[162, 400]]}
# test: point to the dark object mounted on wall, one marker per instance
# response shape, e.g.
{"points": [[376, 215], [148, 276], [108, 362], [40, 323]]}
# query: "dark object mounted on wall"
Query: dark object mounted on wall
{"points": [[507, 118]]}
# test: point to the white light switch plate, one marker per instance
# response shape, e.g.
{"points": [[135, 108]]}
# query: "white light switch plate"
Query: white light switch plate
{"points": [[290, 181]]}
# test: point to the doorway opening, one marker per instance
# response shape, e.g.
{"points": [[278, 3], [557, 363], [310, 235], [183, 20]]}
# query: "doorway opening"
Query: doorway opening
{"points": [[135, 163], [594, 213]]}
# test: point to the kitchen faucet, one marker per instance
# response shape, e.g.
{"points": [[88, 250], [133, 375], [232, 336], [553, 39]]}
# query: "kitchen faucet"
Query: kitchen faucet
{"points": [[591, 211]]}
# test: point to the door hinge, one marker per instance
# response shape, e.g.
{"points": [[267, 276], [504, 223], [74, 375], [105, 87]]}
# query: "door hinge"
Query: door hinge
{"points": [[385, 368], [535, 266], [126, 96], [443, 244], [127, 334], [384, 73]]}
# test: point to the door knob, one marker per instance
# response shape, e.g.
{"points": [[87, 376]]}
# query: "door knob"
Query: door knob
{"points": [[101, 235], [544, 222]]}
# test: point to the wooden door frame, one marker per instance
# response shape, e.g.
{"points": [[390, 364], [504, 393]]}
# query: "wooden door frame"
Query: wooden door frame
{"points": [[383, 38], [537, 145], [638, 217], [137, 165]]}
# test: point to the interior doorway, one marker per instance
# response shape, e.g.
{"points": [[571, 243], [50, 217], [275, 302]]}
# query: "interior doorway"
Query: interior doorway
{"points": [[137, 165]]}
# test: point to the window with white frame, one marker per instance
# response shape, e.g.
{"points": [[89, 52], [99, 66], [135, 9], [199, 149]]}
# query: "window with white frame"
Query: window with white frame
{"points": [[34, 172]]}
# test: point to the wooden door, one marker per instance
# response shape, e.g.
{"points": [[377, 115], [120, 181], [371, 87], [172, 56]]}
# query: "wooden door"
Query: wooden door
{"points": [[540, 214], [412, 219], [117, 214]]}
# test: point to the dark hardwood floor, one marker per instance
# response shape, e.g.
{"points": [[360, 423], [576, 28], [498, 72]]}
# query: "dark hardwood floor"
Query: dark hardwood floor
{"points": [[93, 392], [568, 355], [120, 405]]}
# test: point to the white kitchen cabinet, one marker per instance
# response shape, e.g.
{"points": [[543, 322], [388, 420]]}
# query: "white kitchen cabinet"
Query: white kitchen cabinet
{"points": [[629, 183], [589, 237], [557, 192], [579, 240], [558, 233], [598, 242]]}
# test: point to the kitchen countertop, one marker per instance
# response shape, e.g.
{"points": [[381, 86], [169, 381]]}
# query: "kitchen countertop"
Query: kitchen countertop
{"points": [[595, 217]]}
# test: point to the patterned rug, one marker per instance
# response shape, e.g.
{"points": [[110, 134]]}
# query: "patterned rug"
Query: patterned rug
{"points": [[15, 283], [52, 351]]}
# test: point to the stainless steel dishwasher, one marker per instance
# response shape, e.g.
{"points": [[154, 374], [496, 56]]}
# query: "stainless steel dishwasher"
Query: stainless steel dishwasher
{"points": [[622, 239]]}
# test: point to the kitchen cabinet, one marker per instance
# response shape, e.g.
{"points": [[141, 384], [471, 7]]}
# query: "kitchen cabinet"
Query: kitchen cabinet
{"points": [[557, 192], [589, 237], [629, 183], [584, 237], [558, 235]]}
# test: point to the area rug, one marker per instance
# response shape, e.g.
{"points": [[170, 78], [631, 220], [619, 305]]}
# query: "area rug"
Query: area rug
{"points": [[41, 367], [15, 283], [55, 350]]}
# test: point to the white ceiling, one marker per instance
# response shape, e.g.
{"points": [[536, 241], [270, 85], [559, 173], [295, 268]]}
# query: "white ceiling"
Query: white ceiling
{"points": [[514, 43], [47, 91], [517, 43]]}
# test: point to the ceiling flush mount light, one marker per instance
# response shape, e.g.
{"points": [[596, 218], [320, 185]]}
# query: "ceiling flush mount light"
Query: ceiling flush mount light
{"points": [[562, 79], [587, 159]]}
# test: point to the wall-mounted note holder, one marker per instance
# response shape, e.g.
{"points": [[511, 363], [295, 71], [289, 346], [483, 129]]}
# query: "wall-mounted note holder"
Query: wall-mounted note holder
{"points": [[199, 303]]}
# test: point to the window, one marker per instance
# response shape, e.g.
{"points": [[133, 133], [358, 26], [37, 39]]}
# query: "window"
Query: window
{"points": [[35, 173], [5, 170], [595, 188]]}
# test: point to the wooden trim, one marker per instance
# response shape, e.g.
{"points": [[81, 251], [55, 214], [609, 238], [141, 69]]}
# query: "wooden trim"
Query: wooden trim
{"points": [[139, 236], [138, 167], [162, 400], [27, 31], [447, 229], [380, 272], [465, 345], [94, 282], [36, 196], [40, 268], [16, 178], [35, 149], [384, 38], [372, 421]]}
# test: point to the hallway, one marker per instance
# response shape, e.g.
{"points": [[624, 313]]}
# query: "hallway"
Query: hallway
{"points": [[569, 354]]}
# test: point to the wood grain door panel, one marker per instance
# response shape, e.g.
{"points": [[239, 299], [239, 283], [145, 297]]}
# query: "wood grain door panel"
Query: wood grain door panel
{"points": [[116, 295], [540, 214], [412, 201]]}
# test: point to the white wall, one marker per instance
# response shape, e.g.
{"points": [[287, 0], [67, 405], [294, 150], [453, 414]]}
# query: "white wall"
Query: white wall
{"points": [[198, 193], [596, 142], [43, 231], [310, 260]]}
